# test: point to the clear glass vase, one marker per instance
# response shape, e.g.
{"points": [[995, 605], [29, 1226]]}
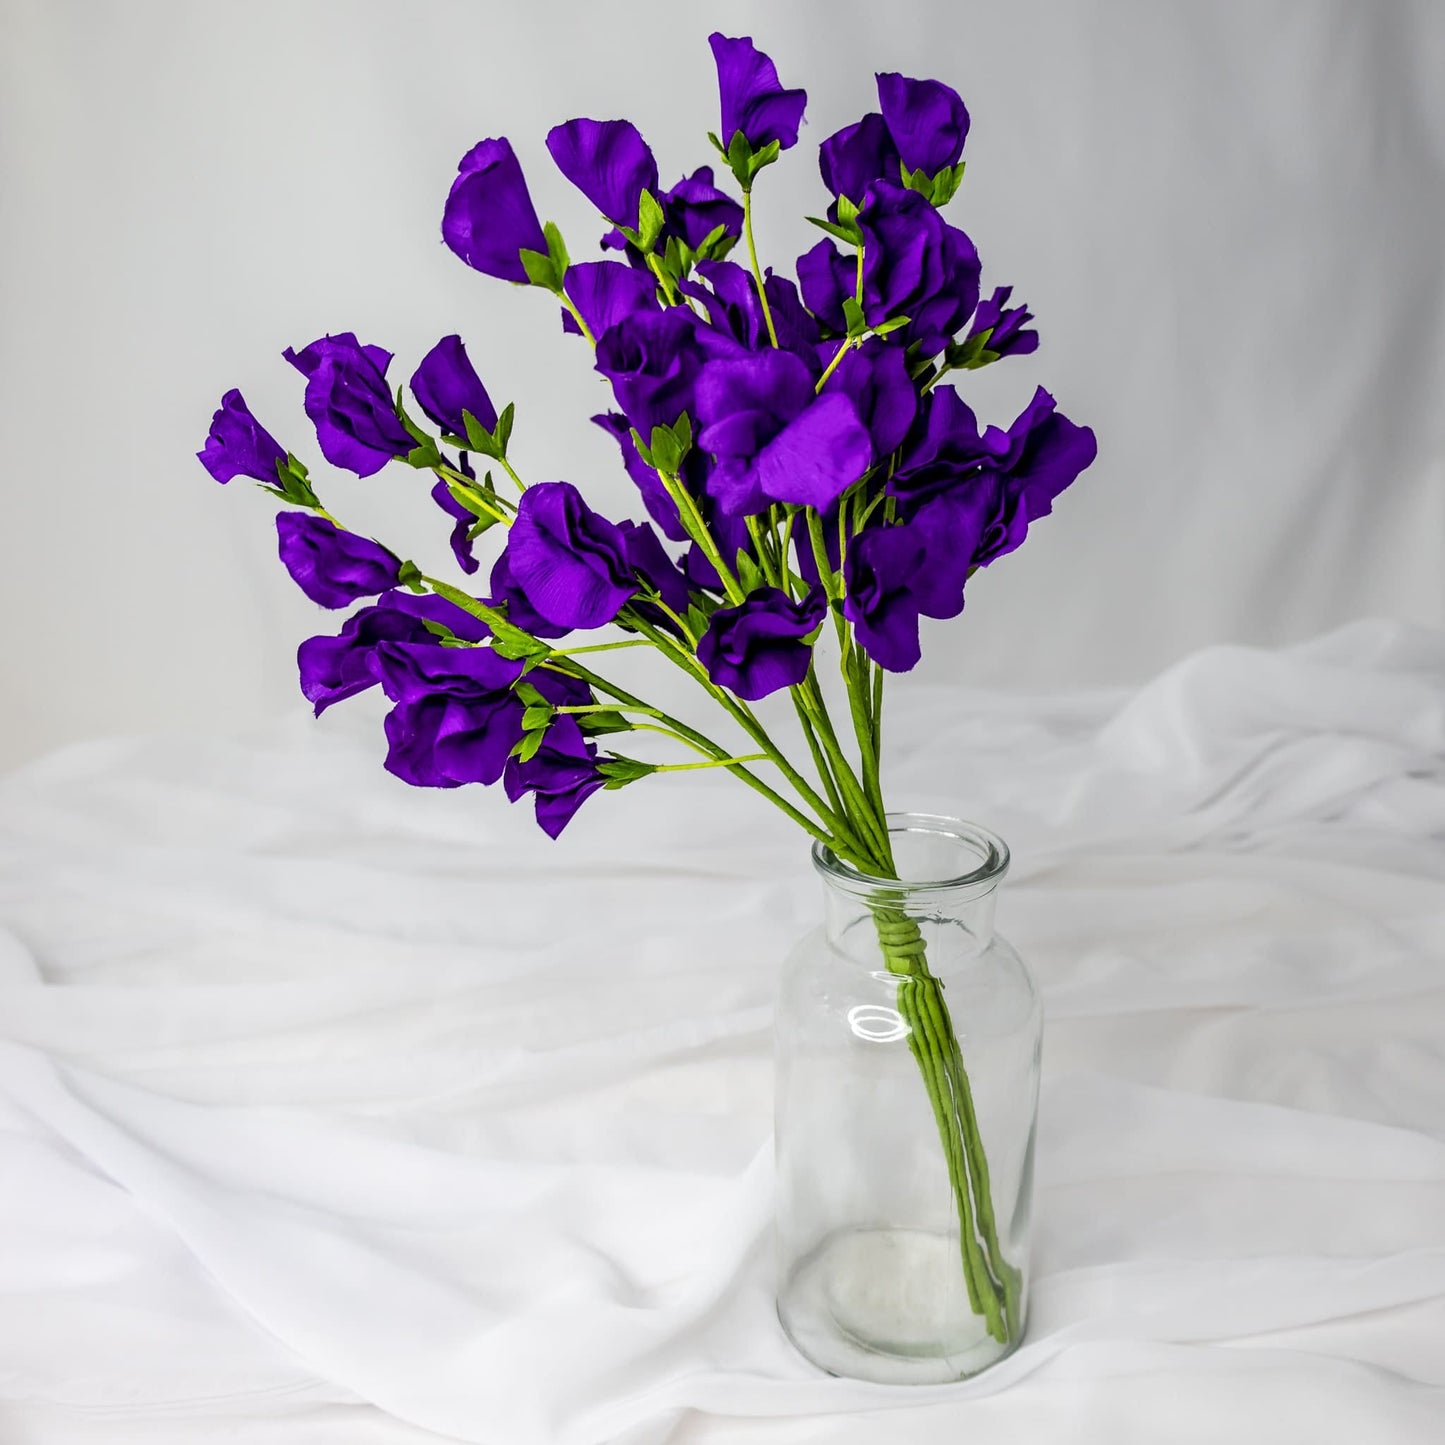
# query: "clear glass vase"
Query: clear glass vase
{"points": [[908, 1037]]}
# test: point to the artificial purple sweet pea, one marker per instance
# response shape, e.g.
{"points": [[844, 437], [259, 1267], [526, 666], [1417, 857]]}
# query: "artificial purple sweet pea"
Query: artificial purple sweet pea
{"points": [[561, 775], [851, 159], [350, 404], [570, 561], [694, 208], [333, 567], [916, 265], [506, 592], [879, 601], [605, 292], [648, 559], [489, 219], [944, 449], [660, 506], [334, 668], [753, 99], [758, 647], [774, 439], [652, 360], [730, 300], [827, 278], [875, 378], [1047, 452], [608, 161], [1005, 325], [239, 446], [464, 519], [446, 385], [927, 120], [456, 717]]}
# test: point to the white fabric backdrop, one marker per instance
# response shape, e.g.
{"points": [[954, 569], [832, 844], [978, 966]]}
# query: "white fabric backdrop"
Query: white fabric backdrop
{"points": [[334, 1111], [1226, 215]]}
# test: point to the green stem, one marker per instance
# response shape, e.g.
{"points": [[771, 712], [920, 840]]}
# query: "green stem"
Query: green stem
{"points": [[715, 763], [582, 326], [757, 270], [832, 366]]}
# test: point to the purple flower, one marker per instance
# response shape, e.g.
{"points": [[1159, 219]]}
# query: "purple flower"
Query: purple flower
{"points": [[334, 668], [758, 647], [330, 566], [877, 572], [605, 292], [875, 378], [506, 592], [945, 449], [350, 404], [695, 208], [733, 310], [561, 775], [445, 385], [827, 278], [916, 265], [570, 561], [1047, 452], [660, 507], [927, 120], [608, 161], [648, 559], [774, 440], [489, 219], [456, 718], [1006, 324], [753, 100], [851, 159], [652, 360], [464, 519], [239, 446]]}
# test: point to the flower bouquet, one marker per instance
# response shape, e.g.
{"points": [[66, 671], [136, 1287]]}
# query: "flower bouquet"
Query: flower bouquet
{"points": [[811, 481]]}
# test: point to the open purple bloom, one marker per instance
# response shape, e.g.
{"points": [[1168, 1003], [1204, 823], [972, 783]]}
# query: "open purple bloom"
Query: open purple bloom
{"points": [[875, 378], [489, 219], [1047, 452], [945, 449], [608, 161], [507, 592], [239, 446], [445, 385], [456, 717], [652, 360], [334, 668], [570, 561], [753, 99], [927, 120], [774, 440], [561, 775], [758, 647], [1006, 325], [827, 278], [916, 265], [605, 292], [333, 567], [350, 404], [851, 159], [730, 300], [878, 572]]}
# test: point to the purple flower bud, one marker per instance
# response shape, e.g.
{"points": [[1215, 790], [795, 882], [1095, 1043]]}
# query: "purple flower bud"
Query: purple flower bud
{"points": [[570, 561], [758, 647], [753, 99], [333, 567], [927, 120], [608, 161], [1008, 336], [605, 292], [239, 446], [561, 775], [350, 404], [489, 219], [334, 668], [445, 385], [774, 440], [695, 208], [851, 159]]}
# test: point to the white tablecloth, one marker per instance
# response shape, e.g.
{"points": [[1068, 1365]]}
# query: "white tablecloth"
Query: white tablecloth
{"points": [[333, 1111]]}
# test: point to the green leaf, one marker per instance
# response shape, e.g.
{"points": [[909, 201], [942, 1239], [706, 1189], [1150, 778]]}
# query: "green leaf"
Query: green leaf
{"points": [[892, 324], [947, 182], [764, 157], [847, 212], [650, 221], [966, 355], [424, 457], [479, 439], [410, 576], [536, 717], [556, 250], [529, 695], [503, 433], [620, 771], [642, 449], [598, 723], [843, 233], [527, 746], [698, 620], [439, 629], [853, 315], [715, 245], [541, 270], [749, 574]]}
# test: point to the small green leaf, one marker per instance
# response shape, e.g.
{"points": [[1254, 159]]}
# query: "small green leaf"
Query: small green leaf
{"points": [[764, 157], [749, 574], [536, 717], [650, 221], [541, 270], [843, 233], [529, 695], [853, 315], [847, 211], [527, 747], [642, 449], [892, 324], [947, 182], [409, 575], [479, 439], [556, 249], [620, 771], [598, 723], [439, 629], [698, 620], [503, 433]]}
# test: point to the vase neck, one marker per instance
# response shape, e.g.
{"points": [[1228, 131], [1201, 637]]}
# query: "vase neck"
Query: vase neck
{"points": [[948, 872]]}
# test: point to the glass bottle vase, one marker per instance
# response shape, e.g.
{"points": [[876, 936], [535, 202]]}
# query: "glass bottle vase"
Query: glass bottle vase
{"points": [[907, 1068]]}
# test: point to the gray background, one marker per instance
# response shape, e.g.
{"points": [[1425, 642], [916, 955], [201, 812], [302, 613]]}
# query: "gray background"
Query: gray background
{"points": [[1228, 218]]}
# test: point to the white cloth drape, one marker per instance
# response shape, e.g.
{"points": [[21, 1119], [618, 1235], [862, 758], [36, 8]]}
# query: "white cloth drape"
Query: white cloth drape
{"points": [[333, 1111]]}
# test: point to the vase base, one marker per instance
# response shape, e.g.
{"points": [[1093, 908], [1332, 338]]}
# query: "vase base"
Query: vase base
{"points": [[887, 1305]]}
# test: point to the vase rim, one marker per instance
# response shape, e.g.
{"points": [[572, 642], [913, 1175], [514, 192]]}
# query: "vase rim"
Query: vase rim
{"points": [[991, 851]]}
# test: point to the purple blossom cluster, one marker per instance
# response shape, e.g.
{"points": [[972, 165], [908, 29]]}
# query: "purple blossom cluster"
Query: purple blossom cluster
{"points": [[794, 447]]}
